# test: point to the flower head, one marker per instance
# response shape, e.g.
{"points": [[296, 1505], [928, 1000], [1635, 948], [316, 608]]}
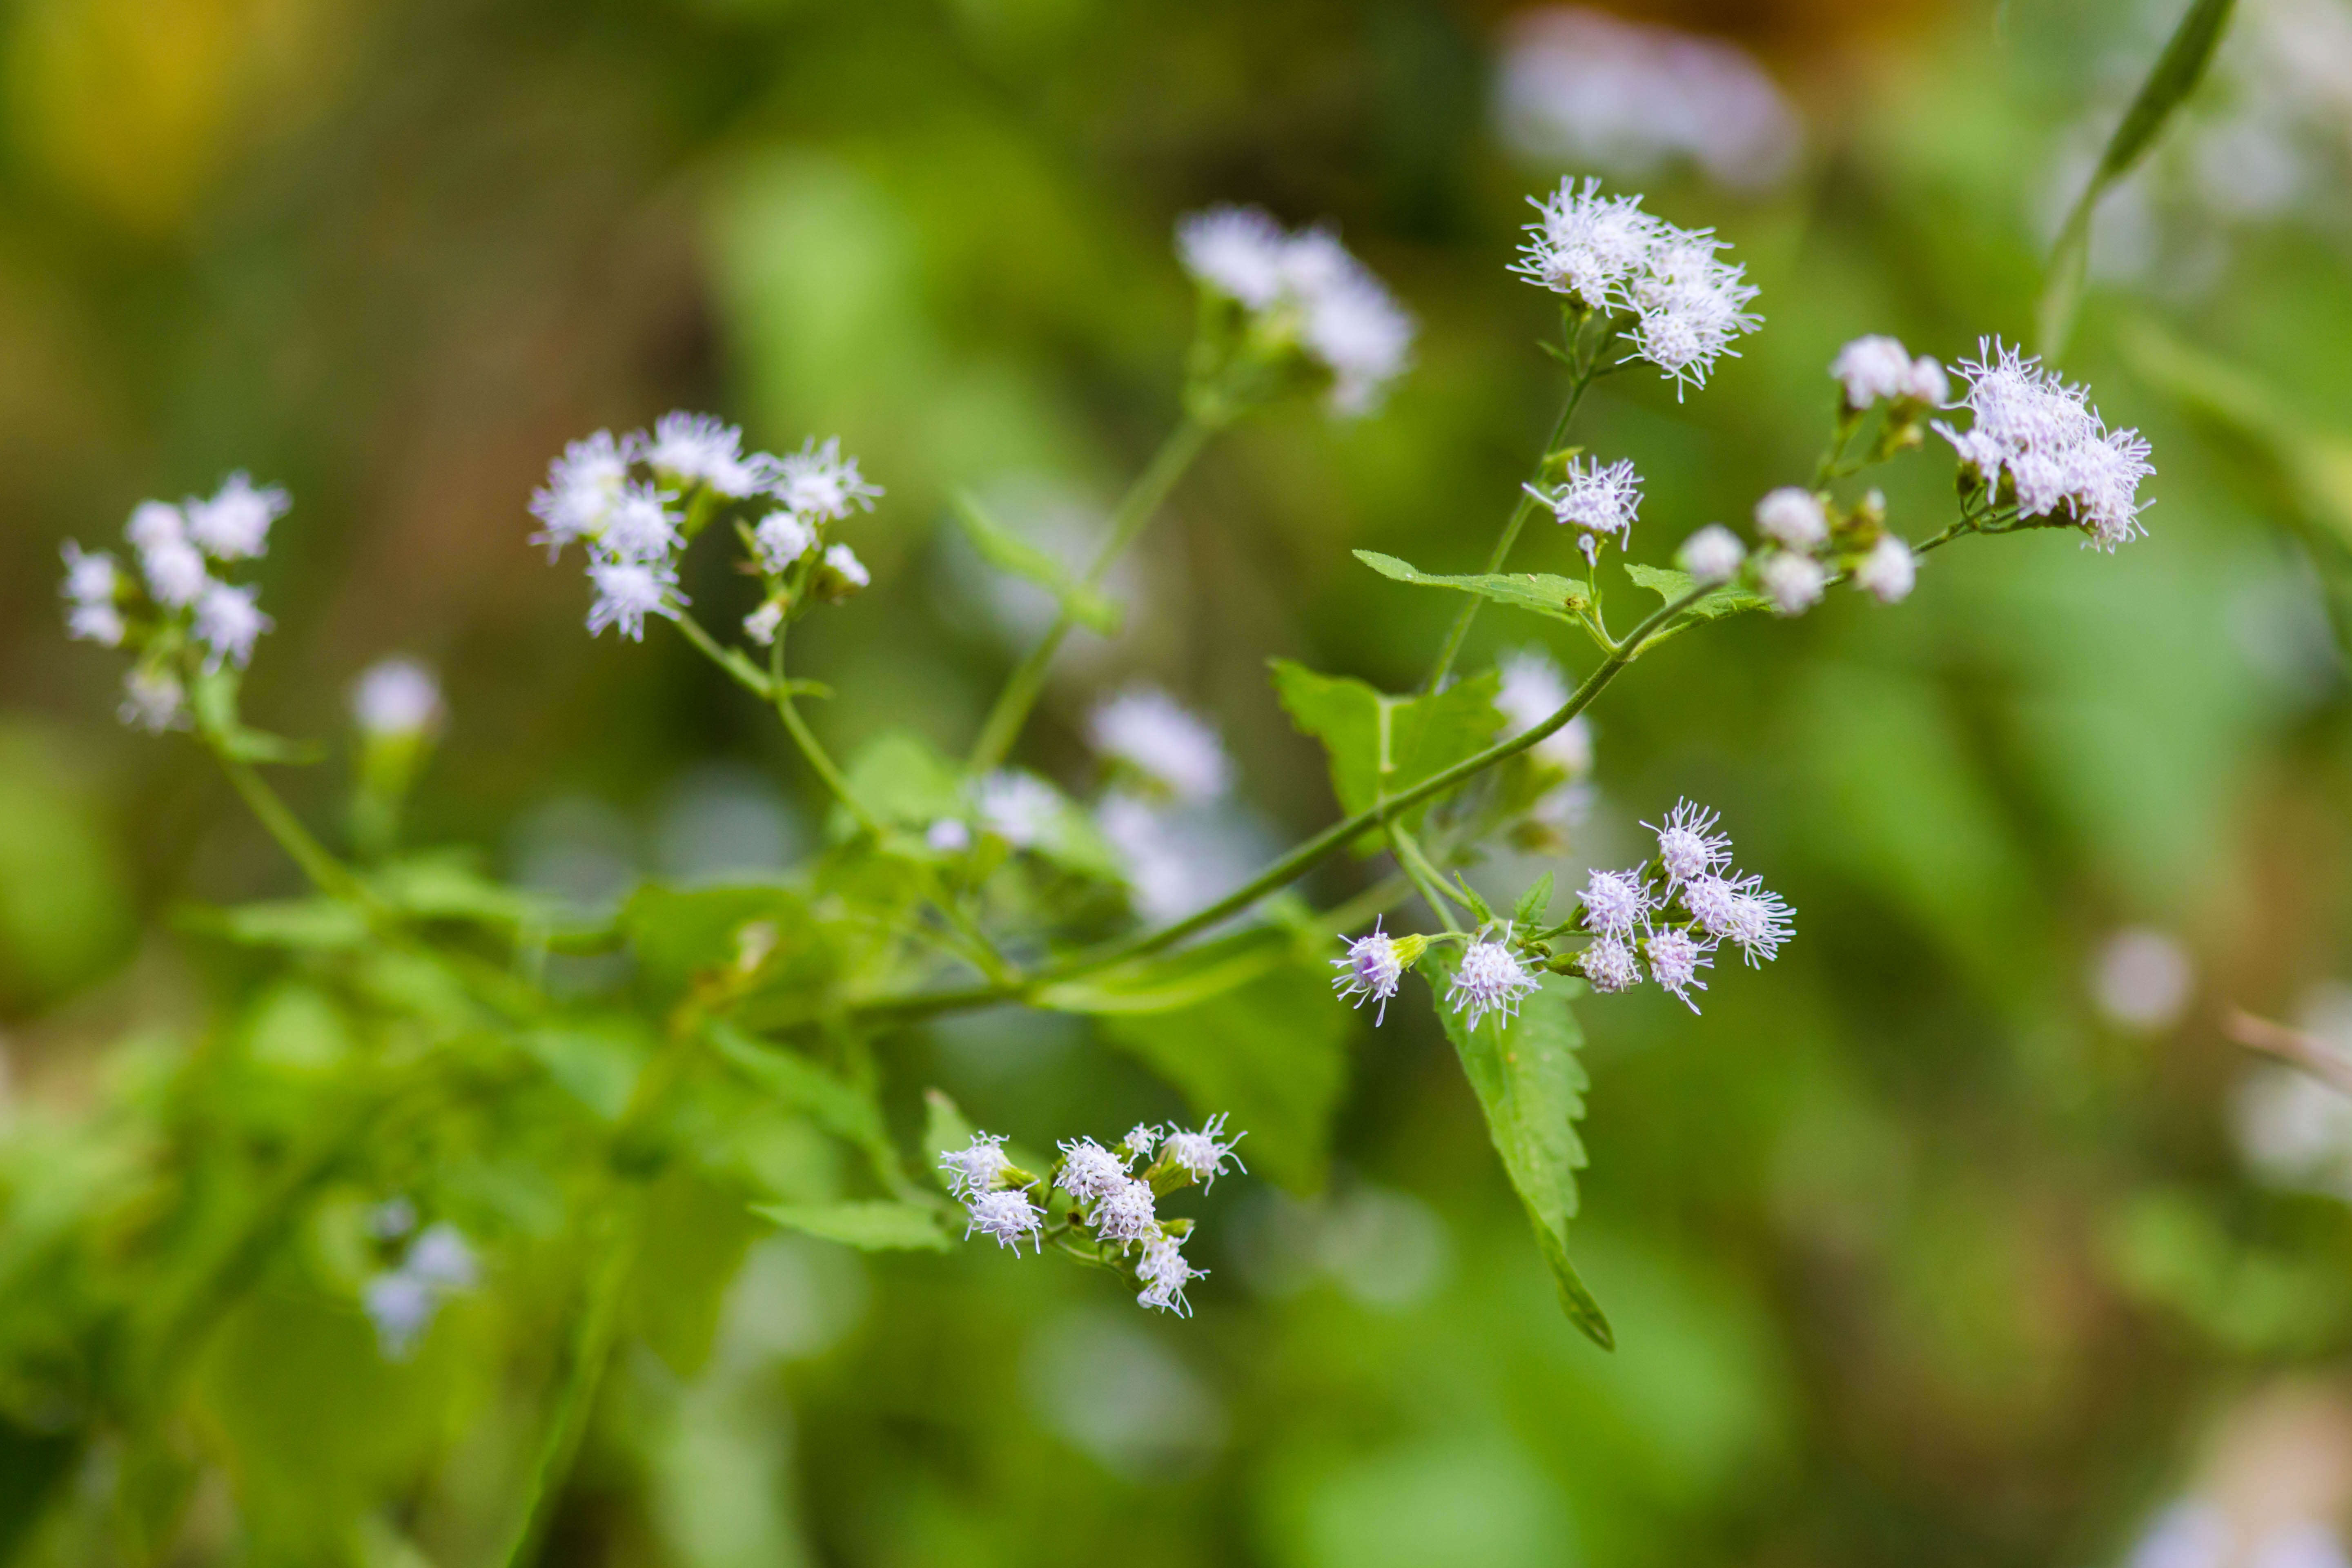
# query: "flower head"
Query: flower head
{"points": [[1712, 555], [91, 576], [1089, 1171], [763, 624], [1202, 1154], [1793, 517], [152, 523], [977, 1167], [1587, 246], [1793, 583], [698, 448], [638, 527], [1690, 306], [781, 539], [1140, 1140], [1125, 1213], [1614, 901], [948, 835], [1610, 965], [1532, 690], [1008, 1215], [1738, 911], [1675, 960], [234, 524], [1156, 736], [818, 482], [1371, 969], [1688, 846], [100, 624], [627, 591], [1019, 807], [1489, 979], [1345, 319], [2039, 435], [1888, 573], [154, 701], [1873, 368], [401, 1307], [227, 623], [441, 1257], [582, 486], [1164, 1272], [395, 697], [175, 570], [1237, 252], [841, 562], [1600, 502]]}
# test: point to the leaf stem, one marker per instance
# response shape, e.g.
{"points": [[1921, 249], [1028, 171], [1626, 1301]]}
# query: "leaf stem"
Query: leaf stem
{"points": [[1143, 498]]}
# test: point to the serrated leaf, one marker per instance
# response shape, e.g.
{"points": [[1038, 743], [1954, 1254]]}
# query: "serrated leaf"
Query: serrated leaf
{"points": [[2169, 81], [1008, 552], [1669, 584], [1270, 1053], [1530, 1088], [876, 1224], [1380, 746], [1534, 902], [1560, 598]]}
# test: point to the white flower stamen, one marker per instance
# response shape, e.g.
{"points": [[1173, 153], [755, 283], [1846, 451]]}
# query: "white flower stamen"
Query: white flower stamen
{"points": [[1489, 979]]}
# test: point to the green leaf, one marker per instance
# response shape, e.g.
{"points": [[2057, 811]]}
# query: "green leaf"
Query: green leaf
{"points": [[683, 935], [1182, 979], [1380, 746], [595, 1061], [2170, 82], [1271, 1053], [312, 925], [1561, 598], [690, 1248], [448, 887], [872, 1226], [904, 783], [1669, 584], [841, 1107], [1534, 902], [1008, 552], [1530, 1088]]}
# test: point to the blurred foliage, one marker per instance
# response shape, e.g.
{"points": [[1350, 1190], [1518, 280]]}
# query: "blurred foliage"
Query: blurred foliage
{"points": [[1912, 1255]]}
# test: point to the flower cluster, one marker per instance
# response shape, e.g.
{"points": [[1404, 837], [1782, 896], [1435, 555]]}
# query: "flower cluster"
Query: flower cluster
{"points": [[1307, 289], [396, 698], [1878, 368], [1599, 501], [1681, 305], [2034, 441], [636, 501], [1675, 910], [402, 1301], [174, 613], [1100, 1201]]}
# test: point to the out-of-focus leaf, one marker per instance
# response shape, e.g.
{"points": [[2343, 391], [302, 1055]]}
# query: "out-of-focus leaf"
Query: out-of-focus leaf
{"points": [[841, 1107], [64, 893], [1530, 1088], [872, 1226], [739, 934], [448, 888], [1008, 552], [904, 783], [596, 1060], [2169, 81], [314, 925], [1669, 584], [1182, 979], [1560, 598], [690, 1245], [1380, 746], [1270, 1053], [32, 1466]]}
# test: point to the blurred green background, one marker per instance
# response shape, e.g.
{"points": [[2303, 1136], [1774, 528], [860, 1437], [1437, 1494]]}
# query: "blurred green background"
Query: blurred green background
{"points": [[1953, 1238]]}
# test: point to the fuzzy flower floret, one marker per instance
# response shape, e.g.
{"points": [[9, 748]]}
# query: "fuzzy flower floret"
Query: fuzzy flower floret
{"points": [[781, 539], [819, 483], [1690, 306], [1163, 1272], [395, 697], [1126, 1214], [1019, 807], [976, 1168], [234, 525], [1586, 246], [1599, 501], [1876, 369], [1792, 516], [154, 701], [1489, 979], [1712, 555], [1614, 901], [1889, 572], [1676, 959], [1343, 317], [1532, 690], [1688, 845], [1610, 965], [1793, 583], [627, 591], [1089, 1171], [1202, 1154], [1738, 909], [2036, 434], [582, 487], [1371, 971], [227, 623], [1156, 736], [638, 527], [1009, 1216], [701, 449]]}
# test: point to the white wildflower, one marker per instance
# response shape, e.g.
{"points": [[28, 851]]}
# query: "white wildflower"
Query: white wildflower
{"points": [[91, 576], [440, 1258], [1202, 1154], [1125, 1213], [175, 570], [639, 527], [1156, 736], [1928, 383], [782, 539], [582, 487], [2039, 432], [1008, 1215], [1712, 555], [154, 701], [100, 624], [1600, 502], [1793, 517], [395, 698], [1532, 690], [1614, 901], [627, 591], [818, 482], [227, 623], [1688, 846], [1089, 1171], [842, 563], [1141, 1139], [234, 524], [1345, 318], [401, 1307], [699, 448], [976, 1168], [1019, 807], [1237, 252], [1587, 246], [1489, 979], [1888, 573], [1690, 305], [1164, 1272], [948, 835], [1674, 963], [152, 523], [1610, 965], [1371, 971], [763, 624], [1738, 909], [1873, 369], [1793, 583]]}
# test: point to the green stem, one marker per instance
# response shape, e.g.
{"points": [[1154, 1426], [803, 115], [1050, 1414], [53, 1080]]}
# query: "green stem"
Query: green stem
{"points": [[1510, 534], [1426, 877], [329, 875], [1022, 687]]}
